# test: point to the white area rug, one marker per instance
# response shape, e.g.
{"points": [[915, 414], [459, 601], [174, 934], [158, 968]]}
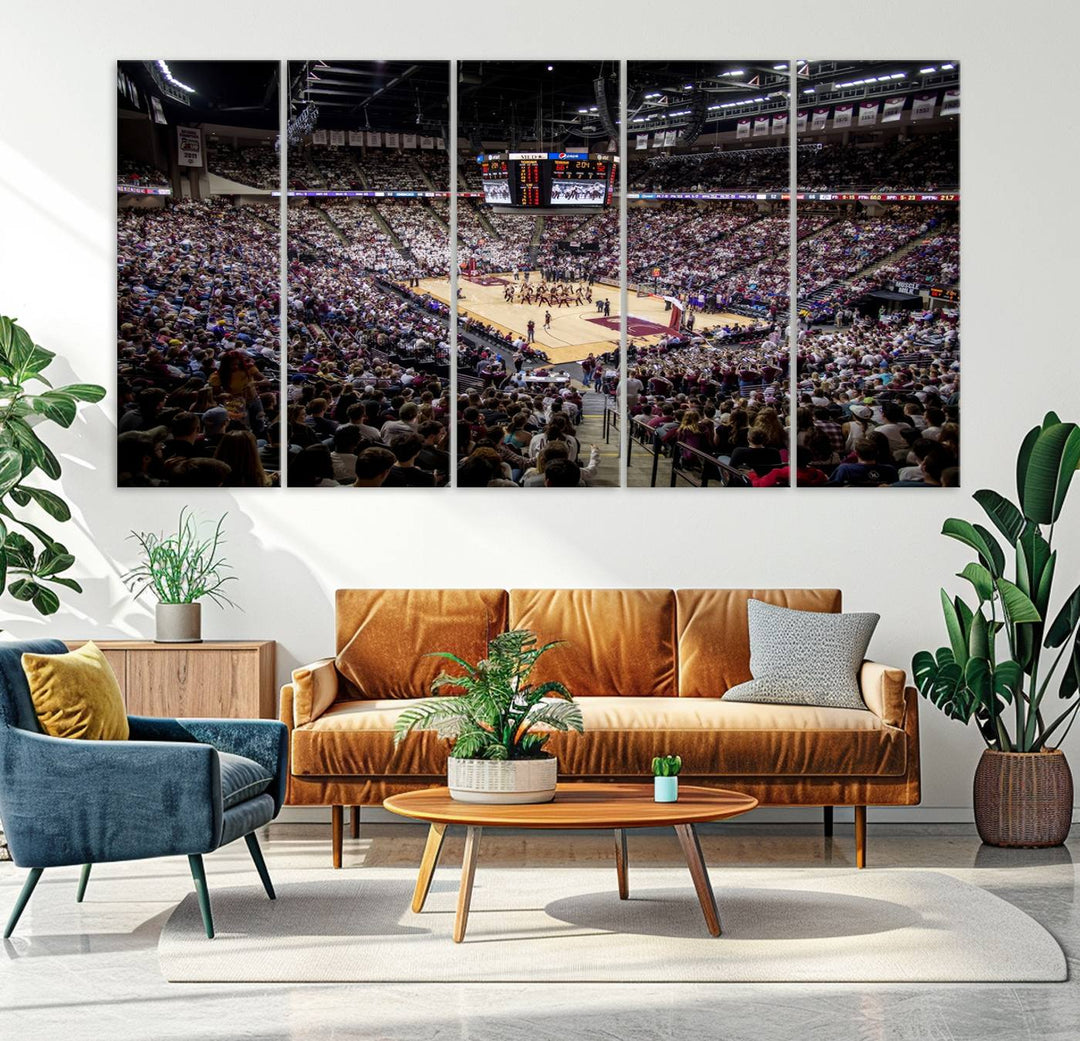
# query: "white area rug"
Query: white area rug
{"points": [[568, 924]]}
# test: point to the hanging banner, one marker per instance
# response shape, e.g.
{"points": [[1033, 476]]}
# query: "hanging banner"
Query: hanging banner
{"points": [[356, 138], [392, 140], [373, 138], [658, 139], [819, 118], [440, 144], [408, 140], [779, 124], [427, 142], [669, 138], [761, 126], [641, 141], [868, 112], [337, 138], [923, 106], [319, 137], [189, 146], [841, 116], [892, 110], [801, 121], [157, 111], [742, 128], [950, 103]]}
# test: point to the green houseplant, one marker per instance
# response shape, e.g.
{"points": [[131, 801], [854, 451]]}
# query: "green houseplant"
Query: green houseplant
{"points": [[181, 568], [498, 754], [665, 770], [1023, 787], [32, 563]]}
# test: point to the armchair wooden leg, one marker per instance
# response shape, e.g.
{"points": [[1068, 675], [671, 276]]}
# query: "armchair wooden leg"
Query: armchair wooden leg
{"points": [[828, 814], [198, 873], [23, 900], [84, 877], [354, 823], [260, 864], [337, 829], [860, 836]]}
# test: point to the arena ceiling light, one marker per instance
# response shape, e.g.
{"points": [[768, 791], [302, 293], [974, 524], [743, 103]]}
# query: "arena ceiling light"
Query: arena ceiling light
{"points": [[171, 79], [928, 69]]}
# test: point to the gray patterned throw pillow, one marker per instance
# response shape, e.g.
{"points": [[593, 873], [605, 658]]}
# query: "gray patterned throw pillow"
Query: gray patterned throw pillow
{"points": [[804, 657]]}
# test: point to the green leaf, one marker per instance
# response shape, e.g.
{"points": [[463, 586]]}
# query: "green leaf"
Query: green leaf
{"points": [[46, 601], [6, 327], [1005, 516], [39, 454], [1018, 607], [1066, 620], [957, 631], [981, 579], [51, 503], [68, 583], [1070, 681], [10, 469], [980, 540], [1023, 458], [1050, 468], [23, 589], [83, 391], [978, 638], [20, 553], [52, 563], [54, 405]]}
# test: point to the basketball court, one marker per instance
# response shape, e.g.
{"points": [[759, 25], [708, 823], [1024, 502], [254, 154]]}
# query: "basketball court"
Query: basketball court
{"points": [[575, 331]]}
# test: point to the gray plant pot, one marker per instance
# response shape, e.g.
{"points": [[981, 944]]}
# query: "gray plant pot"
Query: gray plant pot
{"points": [[178, 623]]}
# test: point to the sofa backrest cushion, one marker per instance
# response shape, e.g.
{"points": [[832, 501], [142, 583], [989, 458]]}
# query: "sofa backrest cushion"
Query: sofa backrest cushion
{"points": [[714, 635], [383, 635], [619, 641]]}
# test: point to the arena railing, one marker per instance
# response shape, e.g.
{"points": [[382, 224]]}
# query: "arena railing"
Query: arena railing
{"points": [[712, 469], [611, 418]]}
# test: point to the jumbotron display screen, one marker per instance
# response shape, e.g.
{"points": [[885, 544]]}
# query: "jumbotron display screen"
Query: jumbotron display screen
{"points": [[527, 180]]}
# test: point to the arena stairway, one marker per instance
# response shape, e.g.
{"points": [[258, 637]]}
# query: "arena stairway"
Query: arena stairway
{"points": [[341, 236], [534, 242], [483, 218], [418, 169]]}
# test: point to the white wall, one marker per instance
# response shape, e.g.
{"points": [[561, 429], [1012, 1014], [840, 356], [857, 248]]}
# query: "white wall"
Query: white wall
{"points": [[292, 549]]}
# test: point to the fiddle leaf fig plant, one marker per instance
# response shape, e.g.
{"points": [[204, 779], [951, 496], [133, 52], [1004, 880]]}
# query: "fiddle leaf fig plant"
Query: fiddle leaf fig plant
{"points": [[969, 679], [32, 560]]}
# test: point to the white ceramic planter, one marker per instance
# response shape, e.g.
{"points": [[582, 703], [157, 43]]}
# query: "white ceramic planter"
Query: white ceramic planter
{"points": [[178, 623], [502, 781]]}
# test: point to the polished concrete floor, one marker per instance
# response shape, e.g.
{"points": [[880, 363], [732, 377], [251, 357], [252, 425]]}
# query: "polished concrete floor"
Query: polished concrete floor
{"points": [[75, 971]]}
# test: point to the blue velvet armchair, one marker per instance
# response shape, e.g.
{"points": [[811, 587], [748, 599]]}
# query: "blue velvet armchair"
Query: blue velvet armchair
{"points": [[178, 786]]}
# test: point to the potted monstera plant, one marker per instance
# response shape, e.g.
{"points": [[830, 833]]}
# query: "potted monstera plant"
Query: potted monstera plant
{"points": [[495, 722], [1013, 664]]}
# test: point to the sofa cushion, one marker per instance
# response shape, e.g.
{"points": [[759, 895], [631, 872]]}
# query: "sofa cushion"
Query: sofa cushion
{"points": [[241, 778], [383, 635], [622, 734], [714, 633], [618, 641]]}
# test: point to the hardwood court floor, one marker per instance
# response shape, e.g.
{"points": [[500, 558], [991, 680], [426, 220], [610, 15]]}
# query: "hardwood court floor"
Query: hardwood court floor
{"points": [[574, 331]]}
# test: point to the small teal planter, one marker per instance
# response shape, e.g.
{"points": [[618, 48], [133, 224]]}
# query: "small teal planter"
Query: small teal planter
{"points": [[665, 789]]}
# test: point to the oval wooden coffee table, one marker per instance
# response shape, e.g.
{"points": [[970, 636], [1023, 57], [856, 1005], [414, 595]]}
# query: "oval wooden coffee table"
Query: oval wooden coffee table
{"points": [[579, 806]]}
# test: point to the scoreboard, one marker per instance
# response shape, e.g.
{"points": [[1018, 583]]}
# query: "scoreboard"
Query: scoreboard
{"points": [[530, 180]]}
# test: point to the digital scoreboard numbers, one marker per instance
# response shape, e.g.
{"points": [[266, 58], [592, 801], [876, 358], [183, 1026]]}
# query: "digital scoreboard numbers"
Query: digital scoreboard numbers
{"points": [[532, 180], [528, 183]]}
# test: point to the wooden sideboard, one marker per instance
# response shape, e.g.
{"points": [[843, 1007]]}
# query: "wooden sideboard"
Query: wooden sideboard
{"points": [[215, 678]]}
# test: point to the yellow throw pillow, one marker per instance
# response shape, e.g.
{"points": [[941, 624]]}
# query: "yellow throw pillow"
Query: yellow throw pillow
{"points": [[76, 695]]}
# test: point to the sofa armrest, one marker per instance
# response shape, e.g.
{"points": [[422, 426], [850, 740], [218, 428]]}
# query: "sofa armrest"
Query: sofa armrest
{"points": [[78, 802], [314, 690], [882, 689]]}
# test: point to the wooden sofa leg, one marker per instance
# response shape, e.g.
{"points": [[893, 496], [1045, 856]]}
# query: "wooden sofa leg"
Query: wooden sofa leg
{"points": [[354, 823], [860, 836], [828, 817], [337, 829]]}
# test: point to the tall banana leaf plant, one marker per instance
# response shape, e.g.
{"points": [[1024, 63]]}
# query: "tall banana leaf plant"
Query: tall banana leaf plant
{"points": [[1007, 694], [495, 716]]}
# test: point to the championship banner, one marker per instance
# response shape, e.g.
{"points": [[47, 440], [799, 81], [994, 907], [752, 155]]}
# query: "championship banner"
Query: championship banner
{"points": [[356, 138], [641, 141], [801, 121], [319, 137], [658, 139], [440, 144], [819, 119], [950, 103], [761, 126], [392, 140], [373, 138], [742, 128], [669, 137], [841, 116], [337, 138], [189, 146], [427, 142], [868, 112], [408, 140], [923, 106], [779, 124], [157, 110], [892, 110]]}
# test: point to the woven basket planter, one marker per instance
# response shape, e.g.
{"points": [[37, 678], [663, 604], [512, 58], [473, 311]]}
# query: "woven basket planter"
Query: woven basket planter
{"points": [[502, 781], [1023, 799]]}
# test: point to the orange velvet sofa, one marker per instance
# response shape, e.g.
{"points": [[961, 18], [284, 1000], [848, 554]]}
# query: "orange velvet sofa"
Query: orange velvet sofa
{"points": [[649, 668]]}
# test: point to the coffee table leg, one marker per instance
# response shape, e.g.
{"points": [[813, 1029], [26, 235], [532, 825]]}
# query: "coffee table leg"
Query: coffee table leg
{"points": [[692, 851], [436, 834], [468, 870], [621, 863]]}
